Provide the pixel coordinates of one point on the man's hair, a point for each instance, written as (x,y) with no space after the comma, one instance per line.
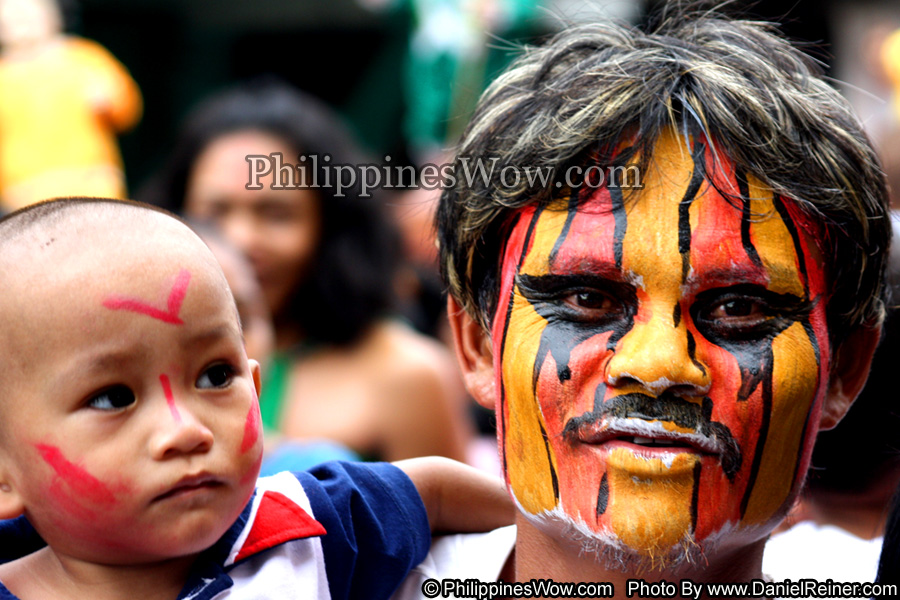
(738,84)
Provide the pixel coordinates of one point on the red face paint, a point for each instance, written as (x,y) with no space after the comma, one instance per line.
(85,485)
(251,426)
(170,398)
(253,473)
(173,304)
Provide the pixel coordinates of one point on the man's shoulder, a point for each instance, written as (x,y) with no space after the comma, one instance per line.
(478,556)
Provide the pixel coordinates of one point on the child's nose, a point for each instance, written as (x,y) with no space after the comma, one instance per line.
(179,431)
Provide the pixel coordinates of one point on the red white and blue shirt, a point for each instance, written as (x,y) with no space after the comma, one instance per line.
(340,531)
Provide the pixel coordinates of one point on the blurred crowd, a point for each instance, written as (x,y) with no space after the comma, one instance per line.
(338,291)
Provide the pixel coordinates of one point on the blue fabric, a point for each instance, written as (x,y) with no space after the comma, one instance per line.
(376,534)
(295,455)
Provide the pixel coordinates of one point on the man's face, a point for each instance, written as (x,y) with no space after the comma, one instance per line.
(137,434)
(661,363)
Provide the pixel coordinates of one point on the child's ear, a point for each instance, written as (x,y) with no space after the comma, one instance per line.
(850,369)
(475,354)
(11,504)
(254,371)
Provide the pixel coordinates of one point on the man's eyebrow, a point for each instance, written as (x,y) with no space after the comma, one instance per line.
(546,285)
(585,265)
(725,275)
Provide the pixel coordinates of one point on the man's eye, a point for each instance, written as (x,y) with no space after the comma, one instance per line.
(591,300)
(216,376)
(740,310)
(114,398)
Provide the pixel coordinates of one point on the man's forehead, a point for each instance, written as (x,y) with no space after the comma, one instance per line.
(712,219)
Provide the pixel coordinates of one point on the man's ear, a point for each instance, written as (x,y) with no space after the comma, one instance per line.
(850,370)
(474,354)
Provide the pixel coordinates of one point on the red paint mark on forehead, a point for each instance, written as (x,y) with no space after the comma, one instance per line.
(173,304)
(589,245)
(170,398)
(717,248)
(85,485)
(815,234)
(251,425)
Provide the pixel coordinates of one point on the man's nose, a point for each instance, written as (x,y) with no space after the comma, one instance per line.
(658,355)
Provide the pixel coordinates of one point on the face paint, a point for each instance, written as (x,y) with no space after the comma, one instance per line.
(170,398)
(82,484)
(251,426)
(659,362)
(173,303)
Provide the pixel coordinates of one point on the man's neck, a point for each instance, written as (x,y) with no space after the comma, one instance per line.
(47,575)
(539,555)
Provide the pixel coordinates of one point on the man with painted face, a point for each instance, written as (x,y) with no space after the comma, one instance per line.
(662,339)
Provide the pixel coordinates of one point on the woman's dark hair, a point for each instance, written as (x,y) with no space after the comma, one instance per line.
(350,282)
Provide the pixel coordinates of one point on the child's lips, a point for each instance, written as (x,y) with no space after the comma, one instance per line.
(190,485)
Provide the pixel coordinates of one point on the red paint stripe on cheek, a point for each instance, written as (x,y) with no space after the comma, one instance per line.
(251,426)
(85,485)
(253,473)
(170,398)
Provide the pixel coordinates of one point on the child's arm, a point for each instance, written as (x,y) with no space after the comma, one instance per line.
(459,498)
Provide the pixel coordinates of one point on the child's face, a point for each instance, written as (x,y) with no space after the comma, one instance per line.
(133,430)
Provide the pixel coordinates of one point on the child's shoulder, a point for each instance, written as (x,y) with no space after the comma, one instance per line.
(362,525)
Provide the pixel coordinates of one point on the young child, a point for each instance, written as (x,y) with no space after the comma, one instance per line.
(130,435)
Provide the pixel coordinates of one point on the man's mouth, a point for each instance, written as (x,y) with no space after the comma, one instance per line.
(666,421)
(653,442)
(647,434)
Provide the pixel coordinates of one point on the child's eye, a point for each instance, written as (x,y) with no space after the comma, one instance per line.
(114,398)
(216,376)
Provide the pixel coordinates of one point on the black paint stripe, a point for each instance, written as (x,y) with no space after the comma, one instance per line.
(544,348)
(553,477)
(744,190)
(684,207)
(795,235)
(509,308)
(815,344)
(572,211)
(763,431)
(692,352)
(695,495)
(676,314)
(603,496)
(618,209)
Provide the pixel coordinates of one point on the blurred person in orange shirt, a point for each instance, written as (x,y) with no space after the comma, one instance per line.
(63,99)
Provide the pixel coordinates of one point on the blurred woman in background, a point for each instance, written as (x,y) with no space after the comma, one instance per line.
(343,368)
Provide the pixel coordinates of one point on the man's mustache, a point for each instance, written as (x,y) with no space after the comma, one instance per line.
(670,408)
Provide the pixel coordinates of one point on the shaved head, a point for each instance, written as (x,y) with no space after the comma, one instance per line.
(49,249)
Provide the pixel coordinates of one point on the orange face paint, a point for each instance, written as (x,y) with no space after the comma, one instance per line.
(659,360)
